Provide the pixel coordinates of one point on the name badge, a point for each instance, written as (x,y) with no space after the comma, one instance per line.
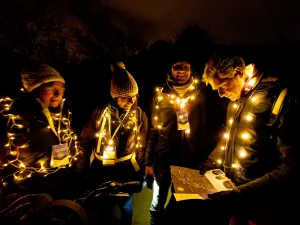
(59,156)
(182,120)
(109,156)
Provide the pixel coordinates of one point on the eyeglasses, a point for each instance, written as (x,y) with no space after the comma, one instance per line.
(51,90)
(128,98)
(181,67)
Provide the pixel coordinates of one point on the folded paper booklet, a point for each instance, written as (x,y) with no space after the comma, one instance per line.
(189,184)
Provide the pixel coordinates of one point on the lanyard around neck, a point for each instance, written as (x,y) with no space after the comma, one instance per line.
(50,119)
(121,123)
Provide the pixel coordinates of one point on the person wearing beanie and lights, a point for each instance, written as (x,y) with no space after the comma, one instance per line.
(40,146)
(112,142)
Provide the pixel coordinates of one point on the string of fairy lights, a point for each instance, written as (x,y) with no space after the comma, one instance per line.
(14,146)
(104,135)
(177,102)
(249,117)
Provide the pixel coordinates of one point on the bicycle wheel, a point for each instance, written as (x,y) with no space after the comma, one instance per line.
(66,212)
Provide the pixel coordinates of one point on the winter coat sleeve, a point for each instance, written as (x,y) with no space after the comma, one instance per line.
(142,140)
(285,177)
(152,137)
(87,140)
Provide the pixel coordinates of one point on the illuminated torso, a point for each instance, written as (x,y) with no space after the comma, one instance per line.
(247,149)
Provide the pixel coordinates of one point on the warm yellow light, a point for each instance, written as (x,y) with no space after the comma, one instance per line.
(243,154)
(245,135)
(230,121)
(219,161)
(226,135)
(249,117)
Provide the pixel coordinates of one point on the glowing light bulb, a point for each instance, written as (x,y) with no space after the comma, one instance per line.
(245,135)
(226,135)
(249,117)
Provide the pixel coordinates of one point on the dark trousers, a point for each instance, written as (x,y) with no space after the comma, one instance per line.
(161,185)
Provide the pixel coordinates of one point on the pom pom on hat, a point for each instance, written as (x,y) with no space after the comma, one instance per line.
(122,82)
(45,74)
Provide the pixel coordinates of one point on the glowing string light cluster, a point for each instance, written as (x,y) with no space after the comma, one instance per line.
(249,117)
(104,133)
(15,144)
(177,102)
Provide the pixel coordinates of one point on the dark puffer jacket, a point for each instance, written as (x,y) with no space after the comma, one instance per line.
(130,140)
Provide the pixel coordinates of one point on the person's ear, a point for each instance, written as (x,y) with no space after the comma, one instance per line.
(238,71)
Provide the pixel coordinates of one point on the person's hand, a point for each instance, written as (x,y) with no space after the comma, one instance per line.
(207,165)
(149,171)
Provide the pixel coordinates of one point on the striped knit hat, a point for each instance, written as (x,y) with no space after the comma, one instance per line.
(44,74)
(122,82)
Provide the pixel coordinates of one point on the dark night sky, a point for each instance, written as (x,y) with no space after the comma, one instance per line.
(228,21)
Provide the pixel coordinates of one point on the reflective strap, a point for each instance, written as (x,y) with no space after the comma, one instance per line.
(103,121)
(92,157)
(124,158)
(277,107)
(279,102)
(134,162)
(131,156)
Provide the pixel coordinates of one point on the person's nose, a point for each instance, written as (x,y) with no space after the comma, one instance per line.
(130,100)
(58,93)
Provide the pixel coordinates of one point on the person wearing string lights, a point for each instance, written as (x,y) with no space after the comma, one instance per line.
(113,141)
(179,134)
(259,150)
(40,147)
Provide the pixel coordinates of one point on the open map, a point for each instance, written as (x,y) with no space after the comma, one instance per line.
(189,184)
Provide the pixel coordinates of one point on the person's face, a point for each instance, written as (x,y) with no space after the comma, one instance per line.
(181,72)
(126,102)
(52,95)
(228,87)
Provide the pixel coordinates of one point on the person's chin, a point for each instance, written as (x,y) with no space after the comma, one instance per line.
(55,104)
(126,108)
(181,80)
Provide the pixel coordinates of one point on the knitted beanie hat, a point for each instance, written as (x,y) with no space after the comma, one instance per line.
(122,82)
(44,74)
